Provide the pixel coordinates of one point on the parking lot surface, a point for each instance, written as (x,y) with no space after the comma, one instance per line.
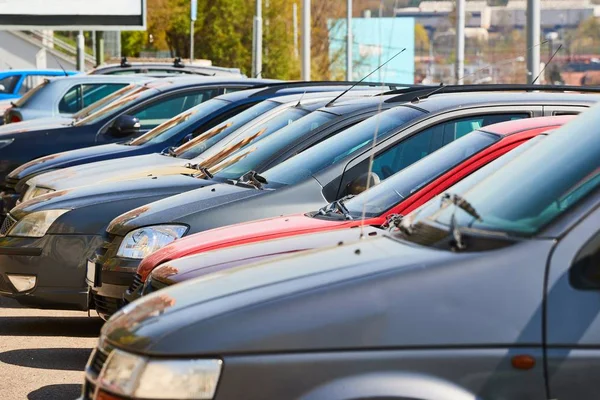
(43,352)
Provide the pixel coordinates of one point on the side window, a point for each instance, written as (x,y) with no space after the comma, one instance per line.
(91,93)
(8,83)
(429,140)
(234,89)
(164,109)
(30,82)
(585,270)
(70,102)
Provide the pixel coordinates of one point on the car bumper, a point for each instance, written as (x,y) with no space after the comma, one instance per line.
(58,263)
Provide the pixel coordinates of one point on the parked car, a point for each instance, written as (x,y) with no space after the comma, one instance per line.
(494,295)
(167,136)
(396,196)
(325,173)
(177,67)
(66,96)
(153,104)
(15,83)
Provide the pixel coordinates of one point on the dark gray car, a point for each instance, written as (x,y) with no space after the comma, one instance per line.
(494,297)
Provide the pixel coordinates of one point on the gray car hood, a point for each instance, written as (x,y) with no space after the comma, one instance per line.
(373,293)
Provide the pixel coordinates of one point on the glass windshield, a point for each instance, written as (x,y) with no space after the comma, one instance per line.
(398,187)
(92,108)
(115,106)
(251,158)
(251,135)
(201,143)
(538,186)
(340,146)
(31,93)
(180,122)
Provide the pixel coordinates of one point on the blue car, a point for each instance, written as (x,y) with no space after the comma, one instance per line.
(15,83)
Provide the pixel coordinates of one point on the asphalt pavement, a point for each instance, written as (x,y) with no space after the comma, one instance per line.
(43,352)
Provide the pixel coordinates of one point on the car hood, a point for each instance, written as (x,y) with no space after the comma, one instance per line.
(73,157)
(197,265)
(374,293)
(40,124)
(148,165)
(239,234)
(177,207)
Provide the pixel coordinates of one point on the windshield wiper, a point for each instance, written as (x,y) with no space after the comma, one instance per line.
(252,178)
(337,206)
(460,203)
(169,151)
(204,170)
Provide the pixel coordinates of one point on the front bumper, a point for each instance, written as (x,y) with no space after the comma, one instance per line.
(59,264)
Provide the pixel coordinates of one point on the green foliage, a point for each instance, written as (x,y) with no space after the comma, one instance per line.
(421,38)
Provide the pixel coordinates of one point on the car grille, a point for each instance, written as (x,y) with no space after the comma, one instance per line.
(93,370)
(137,283)
(107,306)
(7,225)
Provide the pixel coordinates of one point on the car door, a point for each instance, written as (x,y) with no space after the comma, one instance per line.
(420,140)
(160,109)
(573,312)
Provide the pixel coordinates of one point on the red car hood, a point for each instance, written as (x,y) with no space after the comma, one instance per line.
(249,232)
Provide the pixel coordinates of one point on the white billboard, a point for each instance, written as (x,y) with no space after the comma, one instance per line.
(73,14)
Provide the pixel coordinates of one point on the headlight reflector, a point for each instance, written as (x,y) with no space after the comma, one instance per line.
(143,378)
(35,191)
(35,224)
(179,379)
(143,241)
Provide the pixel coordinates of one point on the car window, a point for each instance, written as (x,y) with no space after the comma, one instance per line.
(429,140)
(9,83)
(69,103)
(81,96)
(119,94)
(164,109)
(30,82)
(124,72)
(168,71)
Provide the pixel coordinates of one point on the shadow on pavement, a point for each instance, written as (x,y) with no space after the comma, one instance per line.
(50,326)
(65,392)
(61,359)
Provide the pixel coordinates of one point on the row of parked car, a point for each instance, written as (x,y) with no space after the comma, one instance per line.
(377,241)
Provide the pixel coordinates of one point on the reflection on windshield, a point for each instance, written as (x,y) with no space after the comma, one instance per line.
(230,150)
(203,137)
(92,108)
(116,105)
(233,124)
(403,184)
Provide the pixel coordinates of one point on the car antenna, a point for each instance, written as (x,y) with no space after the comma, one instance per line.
(365,77)
(546,66)
(59,64)
(300,100)
(437,89)
(257,74)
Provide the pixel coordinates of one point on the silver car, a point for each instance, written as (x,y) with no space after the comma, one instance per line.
(63,97)
(492,292)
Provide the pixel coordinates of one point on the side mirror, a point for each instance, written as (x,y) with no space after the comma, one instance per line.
(125,125)
(360,184)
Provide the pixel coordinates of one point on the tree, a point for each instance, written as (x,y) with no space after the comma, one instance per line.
(421,38)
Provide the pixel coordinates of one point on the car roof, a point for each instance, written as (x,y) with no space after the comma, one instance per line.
(526,124)
(102,78)
(196,80)
(37,71)
(167,65)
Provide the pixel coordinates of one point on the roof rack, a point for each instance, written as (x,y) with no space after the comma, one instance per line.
(124,63)
(425,91)
(177,63)
(270,88)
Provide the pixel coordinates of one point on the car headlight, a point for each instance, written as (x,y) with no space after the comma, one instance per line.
(35,224)
(5,142)
(143,241)
(35,191)
(134,376)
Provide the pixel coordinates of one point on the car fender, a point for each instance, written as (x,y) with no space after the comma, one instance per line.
(389,385)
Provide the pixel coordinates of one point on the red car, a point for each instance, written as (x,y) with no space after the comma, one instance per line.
(398,195)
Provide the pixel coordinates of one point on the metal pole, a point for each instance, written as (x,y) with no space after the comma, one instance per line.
(349,42)
(257,42)
(460,41)
(80,52)
(533,38)
(99,42)
(295,23)
(306,40)
(192,41)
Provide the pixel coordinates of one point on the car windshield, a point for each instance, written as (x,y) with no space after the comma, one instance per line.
(201,143)
(180,122)
(92,108)
(340,146)
(254,156)
(115,106)
(31,93)
(403,184)
(563,169)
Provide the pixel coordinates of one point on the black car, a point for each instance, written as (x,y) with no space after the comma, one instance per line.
(177,67)
(79,216)
(168,135)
